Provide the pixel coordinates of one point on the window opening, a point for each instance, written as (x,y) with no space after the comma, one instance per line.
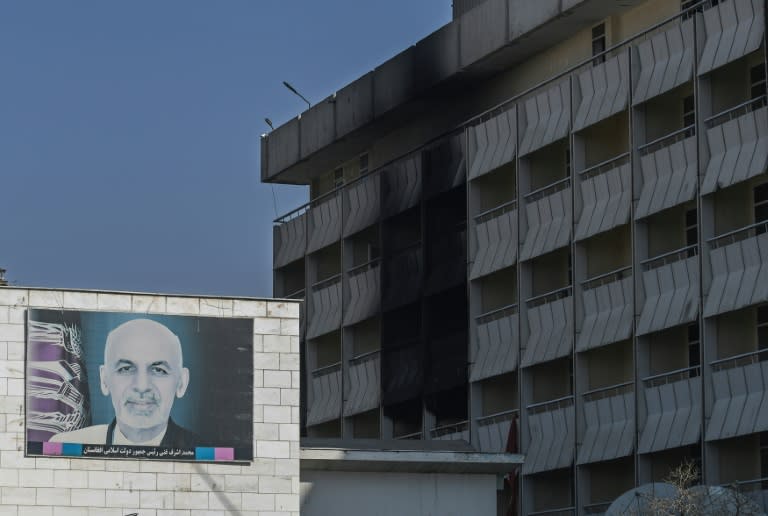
(338,177)
(757,81)
(762,327)
(689,111)
(761,202)
(598,44)
(691,228)
(693,346)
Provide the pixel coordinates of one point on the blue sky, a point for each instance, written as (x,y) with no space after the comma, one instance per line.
(129,131)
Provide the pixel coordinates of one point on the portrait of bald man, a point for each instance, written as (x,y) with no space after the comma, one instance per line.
(143,373)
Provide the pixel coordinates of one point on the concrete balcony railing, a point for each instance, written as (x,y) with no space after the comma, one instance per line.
(665,61)
(755,491)
(402,370)
(738,144)
(609,416)
(401,184)
(290,237)
(363,386)
(324,224)
(548,219)
(596,509)
(669,170)
(606,196)
(453,432)
(550,325)
(741,388)
(324,396)
(731,30)
(402,274)
(495,348)
(362,292)
(412,436)
(545,117)
(608,309)
(497,433)
(496,238)
(672,409)
(552,435)
(671,289)
(601,91)
(567,511)
(324,307)
(739,267)
(362,204)
(492,143)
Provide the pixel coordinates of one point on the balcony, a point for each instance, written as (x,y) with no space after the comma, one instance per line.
(496,233)
(548,219)
(739,263)
(324,396)
(566,511)
(755,491)
(609,415)
(444,165)
(669,170)
(362,204)
(402,369)
(550,324)
(324,221)
(671,287)
(324,307)
(597,509)
(401,185)
(495,348)
(492,143)
(601,90)
(606,196)
(453,432)
(402,276)
(665,61)
(364,383)
(740,385)
(608,309)
(738,144)
(290,237)
(362,291)
(672,408)
(497,433)
(545,117)
(552,435)
(731,30)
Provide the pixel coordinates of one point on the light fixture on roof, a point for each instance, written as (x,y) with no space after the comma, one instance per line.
(293,90)
(269,123)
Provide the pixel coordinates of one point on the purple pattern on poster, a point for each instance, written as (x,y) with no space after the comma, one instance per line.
(57,382)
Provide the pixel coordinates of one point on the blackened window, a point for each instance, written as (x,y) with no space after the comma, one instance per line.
(689,111)
(762,327)
(757,81)
(761,202)
(598,44)
(764,454)
(338,177)
(691,227)
(363,165)
(693,345)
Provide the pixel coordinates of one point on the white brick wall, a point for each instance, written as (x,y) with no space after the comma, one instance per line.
(91,487)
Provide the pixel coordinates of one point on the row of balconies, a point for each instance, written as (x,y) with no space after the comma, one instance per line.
(664,61)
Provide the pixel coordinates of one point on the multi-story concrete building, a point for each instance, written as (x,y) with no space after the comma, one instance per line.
(544,229)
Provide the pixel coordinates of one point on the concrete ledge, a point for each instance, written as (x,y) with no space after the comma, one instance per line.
(407,461)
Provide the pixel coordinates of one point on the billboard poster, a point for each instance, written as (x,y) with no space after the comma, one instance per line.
(139,386)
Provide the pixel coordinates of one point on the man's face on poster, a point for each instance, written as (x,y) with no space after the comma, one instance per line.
(143,373)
